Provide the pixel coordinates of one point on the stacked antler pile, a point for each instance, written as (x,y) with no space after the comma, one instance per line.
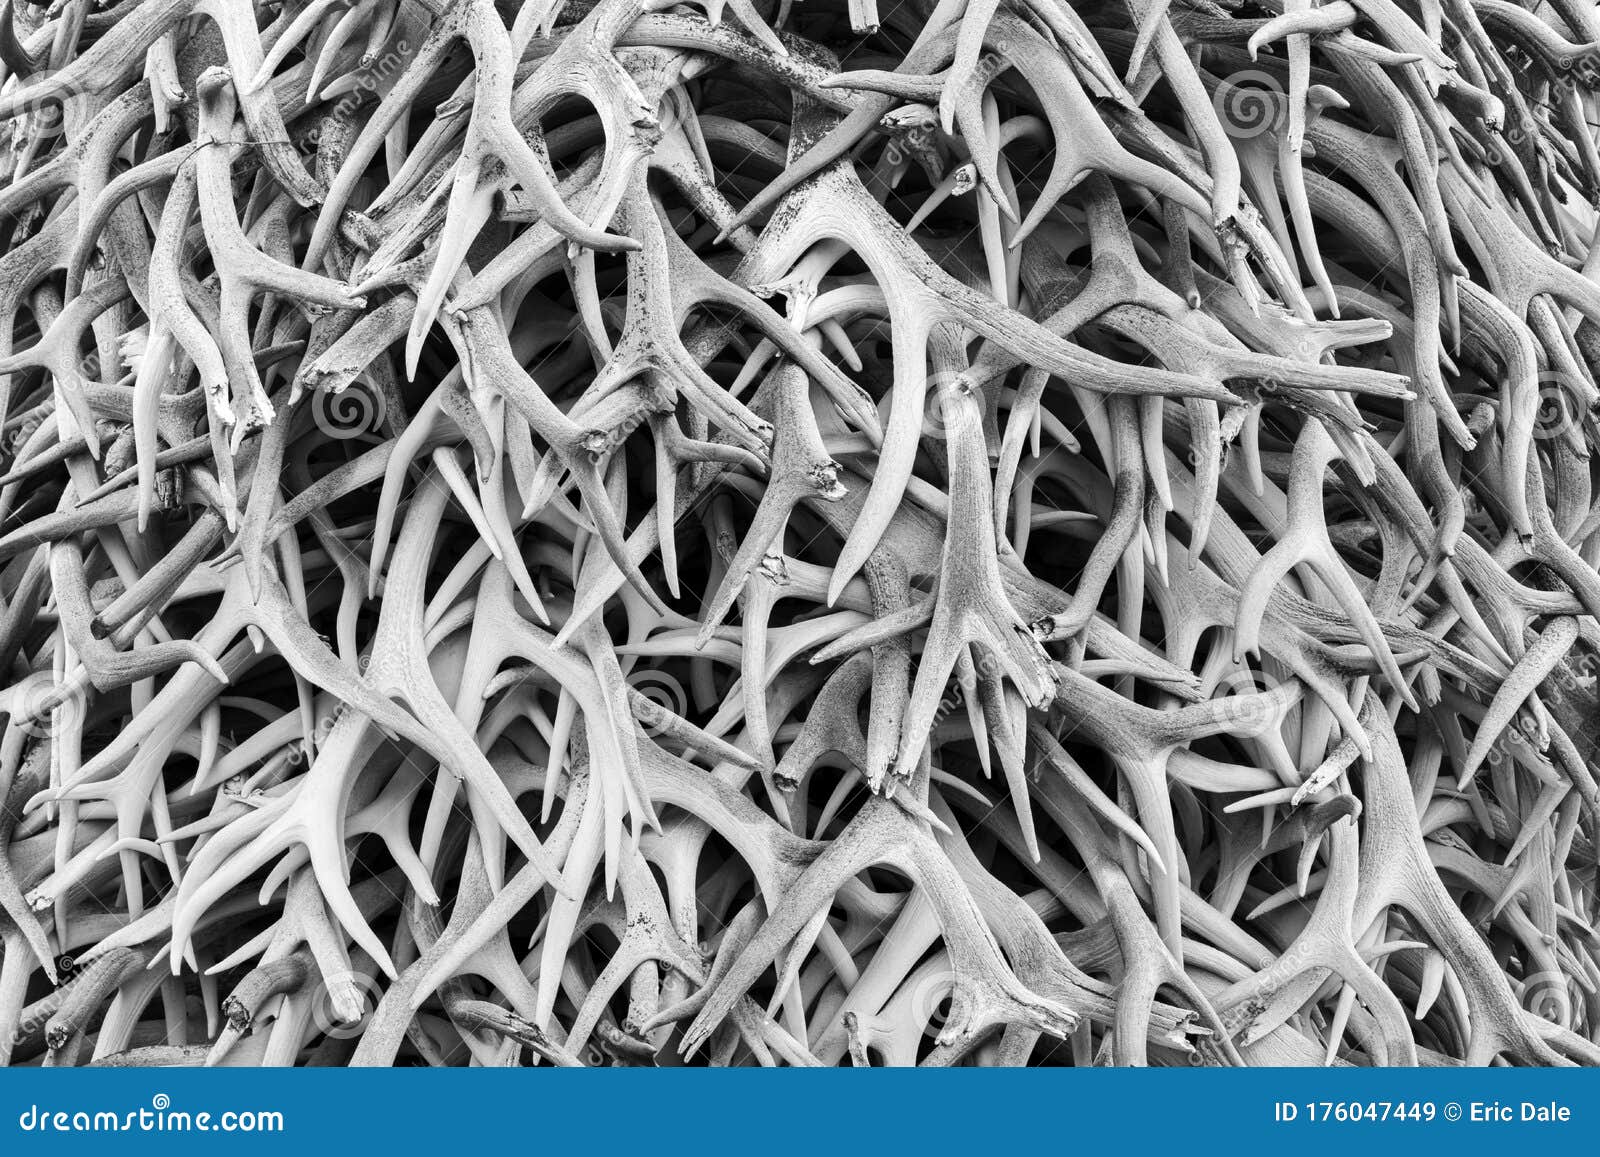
(993,531)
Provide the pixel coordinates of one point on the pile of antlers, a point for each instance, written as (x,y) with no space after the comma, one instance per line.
(651,531)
